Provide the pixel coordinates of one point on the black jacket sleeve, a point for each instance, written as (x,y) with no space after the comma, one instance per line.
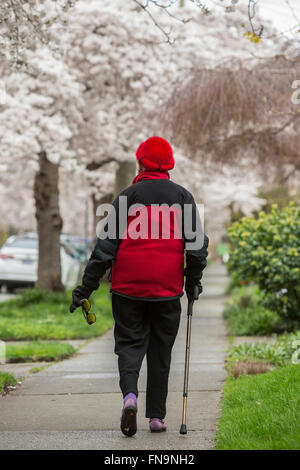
(105,249)
(196,243)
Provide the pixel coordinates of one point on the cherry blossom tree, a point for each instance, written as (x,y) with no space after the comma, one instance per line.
(240,112)
(84,112)
(24,23)
(37,121)
(63,111)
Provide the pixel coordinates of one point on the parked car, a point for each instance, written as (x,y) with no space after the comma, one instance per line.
(19,259)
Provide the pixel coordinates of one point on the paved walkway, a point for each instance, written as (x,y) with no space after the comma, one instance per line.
(75,404)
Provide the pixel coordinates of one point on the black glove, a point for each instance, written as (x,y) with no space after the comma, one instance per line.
(78,294)
(191,292)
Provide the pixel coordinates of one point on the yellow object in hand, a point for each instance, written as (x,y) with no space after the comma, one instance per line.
(86,306)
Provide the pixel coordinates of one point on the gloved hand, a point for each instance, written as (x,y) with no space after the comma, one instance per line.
(190,285)
(78,294)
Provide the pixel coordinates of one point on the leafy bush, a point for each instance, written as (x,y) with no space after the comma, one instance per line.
(266,250)
(246,316)
(234,282)
(280,352)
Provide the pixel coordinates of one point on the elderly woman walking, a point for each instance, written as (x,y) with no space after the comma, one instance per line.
(146,256)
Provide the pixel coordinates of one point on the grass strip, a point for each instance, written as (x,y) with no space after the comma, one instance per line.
(261,412)
(39,315)
(38,352)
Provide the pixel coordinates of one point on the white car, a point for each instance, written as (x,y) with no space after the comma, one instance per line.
(19,260)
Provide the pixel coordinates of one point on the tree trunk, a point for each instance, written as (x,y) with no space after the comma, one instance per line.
(124,176)
(49,225)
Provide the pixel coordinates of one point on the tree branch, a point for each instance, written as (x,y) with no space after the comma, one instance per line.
(92,166)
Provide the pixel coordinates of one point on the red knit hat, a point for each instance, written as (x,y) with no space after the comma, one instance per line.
(156,154)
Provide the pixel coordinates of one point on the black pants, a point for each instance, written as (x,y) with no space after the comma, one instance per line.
(145,328)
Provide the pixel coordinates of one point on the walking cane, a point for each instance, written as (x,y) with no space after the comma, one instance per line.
(183,429)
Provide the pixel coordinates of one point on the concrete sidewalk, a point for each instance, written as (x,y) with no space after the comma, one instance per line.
(76,404)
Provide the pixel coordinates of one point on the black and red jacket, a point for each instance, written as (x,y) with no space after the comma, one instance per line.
(150,266)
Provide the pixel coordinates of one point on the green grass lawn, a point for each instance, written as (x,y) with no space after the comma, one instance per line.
(34,352)
(37,315)
(261,412)
(5,380)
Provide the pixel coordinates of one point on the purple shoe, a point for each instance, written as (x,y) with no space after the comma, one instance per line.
(128,418)
(157,425)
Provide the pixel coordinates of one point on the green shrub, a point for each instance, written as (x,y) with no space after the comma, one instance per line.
(280,352)
(234,282)
(266,250)
(246,296)
(246,316)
